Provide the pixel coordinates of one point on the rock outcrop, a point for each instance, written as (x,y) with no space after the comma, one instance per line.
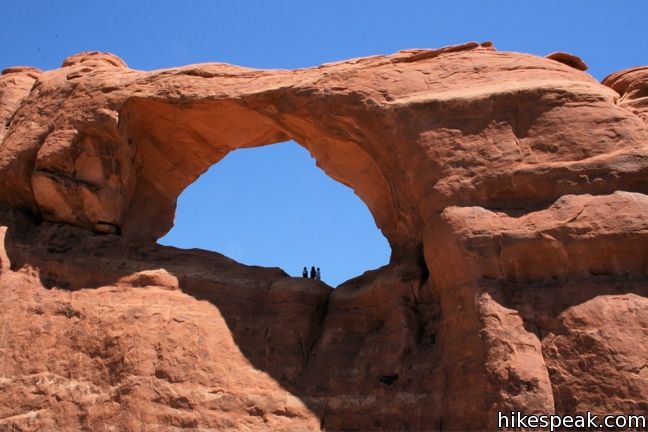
(513,190)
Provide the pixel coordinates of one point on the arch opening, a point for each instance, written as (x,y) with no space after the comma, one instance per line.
(272,206)
(177,142)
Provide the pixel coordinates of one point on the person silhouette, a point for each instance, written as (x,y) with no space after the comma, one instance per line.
(305,272)
(318,274)
(313,273)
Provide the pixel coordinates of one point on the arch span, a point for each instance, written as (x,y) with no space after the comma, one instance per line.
(176,143)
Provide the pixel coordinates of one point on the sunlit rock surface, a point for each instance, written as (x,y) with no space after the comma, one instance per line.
(512,189)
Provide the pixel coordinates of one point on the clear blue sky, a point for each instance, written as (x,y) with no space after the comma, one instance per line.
(271,205)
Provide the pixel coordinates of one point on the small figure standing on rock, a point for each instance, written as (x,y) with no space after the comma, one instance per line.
(305,272)
(313,273)
(318,275)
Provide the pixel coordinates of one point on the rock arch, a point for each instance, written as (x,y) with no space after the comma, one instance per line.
(512,189)
(186,140)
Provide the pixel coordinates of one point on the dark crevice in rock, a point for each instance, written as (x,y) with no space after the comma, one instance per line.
(389,379)
(425,273)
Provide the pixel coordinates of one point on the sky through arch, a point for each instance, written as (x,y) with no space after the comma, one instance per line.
(272,206)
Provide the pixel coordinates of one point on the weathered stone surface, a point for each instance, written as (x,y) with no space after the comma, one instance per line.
(632,85)
(568,59)
(15,85)
(512,189)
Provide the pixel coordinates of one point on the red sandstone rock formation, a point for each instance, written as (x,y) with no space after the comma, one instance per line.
(512,189)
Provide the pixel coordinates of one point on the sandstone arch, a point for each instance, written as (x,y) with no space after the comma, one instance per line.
(512,189)
(186,140)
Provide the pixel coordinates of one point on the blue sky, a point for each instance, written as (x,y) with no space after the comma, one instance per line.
(271,205)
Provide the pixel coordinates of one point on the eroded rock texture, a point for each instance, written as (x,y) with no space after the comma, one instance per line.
(512,189)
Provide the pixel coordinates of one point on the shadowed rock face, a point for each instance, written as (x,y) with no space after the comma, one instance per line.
(512,189)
